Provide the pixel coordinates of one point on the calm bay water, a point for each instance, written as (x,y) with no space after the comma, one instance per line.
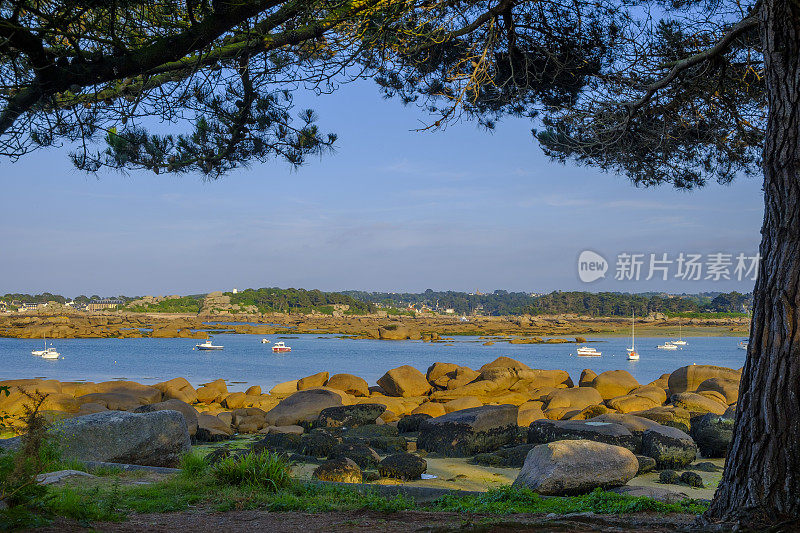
(246,361)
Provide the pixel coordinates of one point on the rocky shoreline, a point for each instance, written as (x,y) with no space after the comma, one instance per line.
(565,437)
(156,325)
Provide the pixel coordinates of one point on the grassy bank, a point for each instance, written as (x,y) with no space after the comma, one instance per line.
(262,482)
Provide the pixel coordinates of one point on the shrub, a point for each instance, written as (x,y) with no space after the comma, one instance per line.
(263,470)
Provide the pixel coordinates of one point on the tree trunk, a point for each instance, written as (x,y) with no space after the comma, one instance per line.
(761,482)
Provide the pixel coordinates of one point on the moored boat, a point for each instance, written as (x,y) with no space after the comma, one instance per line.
(680,341)
(208,345)
(667,346)
(50,353)
(586,351)
(47,353)
(280,346)
(633,355)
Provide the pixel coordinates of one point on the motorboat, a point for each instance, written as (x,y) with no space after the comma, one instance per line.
(667,346)
(208,345)
(586,351)
(633,355)
(280,347)
(265,341)
(743,344)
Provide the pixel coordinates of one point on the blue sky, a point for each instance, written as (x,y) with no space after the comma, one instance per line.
(393,209)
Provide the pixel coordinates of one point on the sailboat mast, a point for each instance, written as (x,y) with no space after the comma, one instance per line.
(633,330)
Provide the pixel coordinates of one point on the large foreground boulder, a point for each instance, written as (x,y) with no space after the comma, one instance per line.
(152,439)
(469,431)
(303,406)
(575,467)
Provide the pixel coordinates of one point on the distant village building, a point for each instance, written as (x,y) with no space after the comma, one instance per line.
(450,311)
(28,306)
(97,305)
(235,290)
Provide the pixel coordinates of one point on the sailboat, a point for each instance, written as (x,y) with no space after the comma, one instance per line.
(47,353)
(680,341)
(633,355)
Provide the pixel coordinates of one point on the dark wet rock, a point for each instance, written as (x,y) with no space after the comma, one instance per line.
(669,477)
(279,442)
(350,415)
(670,447)
(545,431)
(370,432)
(692,479)
(388,444)
(713,434)
(364,456)
(705,467)
(646,464)
(411,423)
(342,470)
(405,466)
(469,431)
(508,456)
(318,443)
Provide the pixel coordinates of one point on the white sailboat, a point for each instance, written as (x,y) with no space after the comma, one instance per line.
(47,353)
(680,341)
(633,355)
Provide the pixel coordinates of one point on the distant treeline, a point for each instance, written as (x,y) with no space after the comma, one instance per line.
(273,299)
(499,303)
(48,297)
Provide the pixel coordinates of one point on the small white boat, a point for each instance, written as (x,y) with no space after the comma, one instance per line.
(51,353)
(280,347)
(264,341)
(47,353)
(208,345)
(680,341)
(743,344)
(667,346)
(633,355)
(586,351)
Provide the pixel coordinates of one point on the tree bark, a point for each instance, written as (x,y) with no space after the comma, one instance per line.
(761,482)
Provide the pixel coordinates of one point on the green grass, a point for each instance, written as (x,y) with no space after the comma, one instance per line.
(264,470)
(508,500)
(261,481)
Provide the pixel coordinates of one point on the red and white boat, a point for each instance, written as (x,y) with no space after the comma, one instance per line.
(280,347)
